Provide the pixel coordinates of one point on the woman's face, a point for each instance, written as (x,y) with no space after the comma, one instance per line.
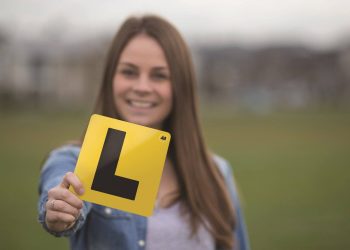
(141,85)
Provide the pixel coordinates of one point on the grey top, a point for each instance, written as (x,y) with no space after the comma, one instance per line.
(168,229)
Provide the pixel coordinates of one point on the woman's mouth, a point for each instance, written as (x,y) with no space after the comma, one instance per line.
(141,104)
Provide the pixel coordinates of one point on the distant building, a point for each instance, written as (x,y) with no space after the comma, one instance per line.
(67,74)
(276,76)
(50,73)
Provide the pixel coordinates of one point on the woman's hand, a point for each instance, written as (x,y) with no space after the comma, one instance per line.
(63,207)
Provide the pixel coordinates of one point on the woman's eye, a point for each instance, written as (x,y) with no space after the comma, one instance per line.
(160,76)
(128,72)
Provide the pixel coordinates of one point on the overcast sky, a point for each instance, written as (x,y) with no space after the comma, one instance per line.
(317,22)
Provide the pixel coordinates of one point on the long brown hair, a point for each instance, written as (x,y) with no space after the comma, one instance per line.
(201,186)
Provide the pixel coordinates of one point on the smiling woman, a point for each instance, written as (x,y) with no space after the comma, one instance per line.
(149,80)
(141,86)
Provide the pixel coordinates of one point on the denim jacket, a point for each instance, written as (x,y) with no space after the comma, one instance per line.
(100,227)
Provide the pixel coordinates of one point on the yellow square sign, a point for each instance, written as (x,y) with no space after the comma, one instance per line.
(120,164)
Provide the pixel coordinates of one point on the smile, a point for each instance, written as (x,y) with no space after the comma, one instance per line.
(141,104)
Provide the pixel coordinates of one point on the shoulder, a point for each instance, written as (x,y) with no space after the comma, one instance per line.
(223,165)
(227,173)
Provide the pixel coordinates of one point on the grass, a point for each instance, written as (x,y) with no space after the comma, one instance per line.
(293,173)
(292,169)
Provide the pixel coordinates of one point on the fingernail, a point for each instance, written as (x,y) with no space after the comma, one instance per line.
(81,191)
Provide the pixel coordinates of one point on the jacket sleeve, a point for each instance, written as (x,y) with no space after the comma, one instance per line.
(59,162)
(241,234)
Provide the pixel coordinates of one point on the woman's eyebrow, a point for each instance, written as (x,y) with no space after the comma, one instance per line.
(128,64)
(160,68)
(165,68)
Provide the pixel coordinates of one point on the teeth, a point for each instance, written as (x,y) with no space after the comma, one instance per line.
(141,104)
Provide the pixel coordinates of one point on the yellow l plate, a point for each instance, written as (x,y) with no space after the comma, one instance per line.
(120,164)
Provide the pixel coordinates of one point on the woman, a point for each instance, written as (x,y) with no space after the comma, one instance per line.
(149,80)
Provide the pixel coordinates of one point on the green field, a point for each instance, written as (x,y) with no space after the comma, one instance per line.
(292,169)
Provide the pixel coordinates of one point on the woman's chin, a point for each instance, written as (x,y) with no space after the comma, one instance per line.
(142,122)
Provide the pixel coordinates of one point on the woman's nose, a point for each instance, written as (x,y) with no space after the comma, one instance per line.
(142,85)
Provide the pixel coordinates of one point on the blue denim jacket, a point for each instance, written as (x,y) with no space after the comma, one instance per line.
(100,227)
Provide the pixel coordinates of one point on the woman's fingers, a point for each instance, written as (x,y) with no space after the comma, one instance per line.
(61,191)
(64,194)
(71,179)
(58,217)
(62,207)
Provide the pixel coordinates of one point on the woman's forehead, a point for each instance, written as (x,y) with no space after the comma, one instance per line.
(143,50)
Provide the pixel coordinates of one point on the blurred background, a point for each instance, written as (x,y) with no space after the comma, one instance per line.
(274,84)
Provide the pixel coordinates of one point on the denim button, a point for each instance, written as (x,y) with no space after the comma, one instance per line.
(108,210)
(141,243)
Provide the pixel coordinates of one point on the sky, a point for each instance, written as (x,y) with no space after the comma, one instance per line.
(319,23)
